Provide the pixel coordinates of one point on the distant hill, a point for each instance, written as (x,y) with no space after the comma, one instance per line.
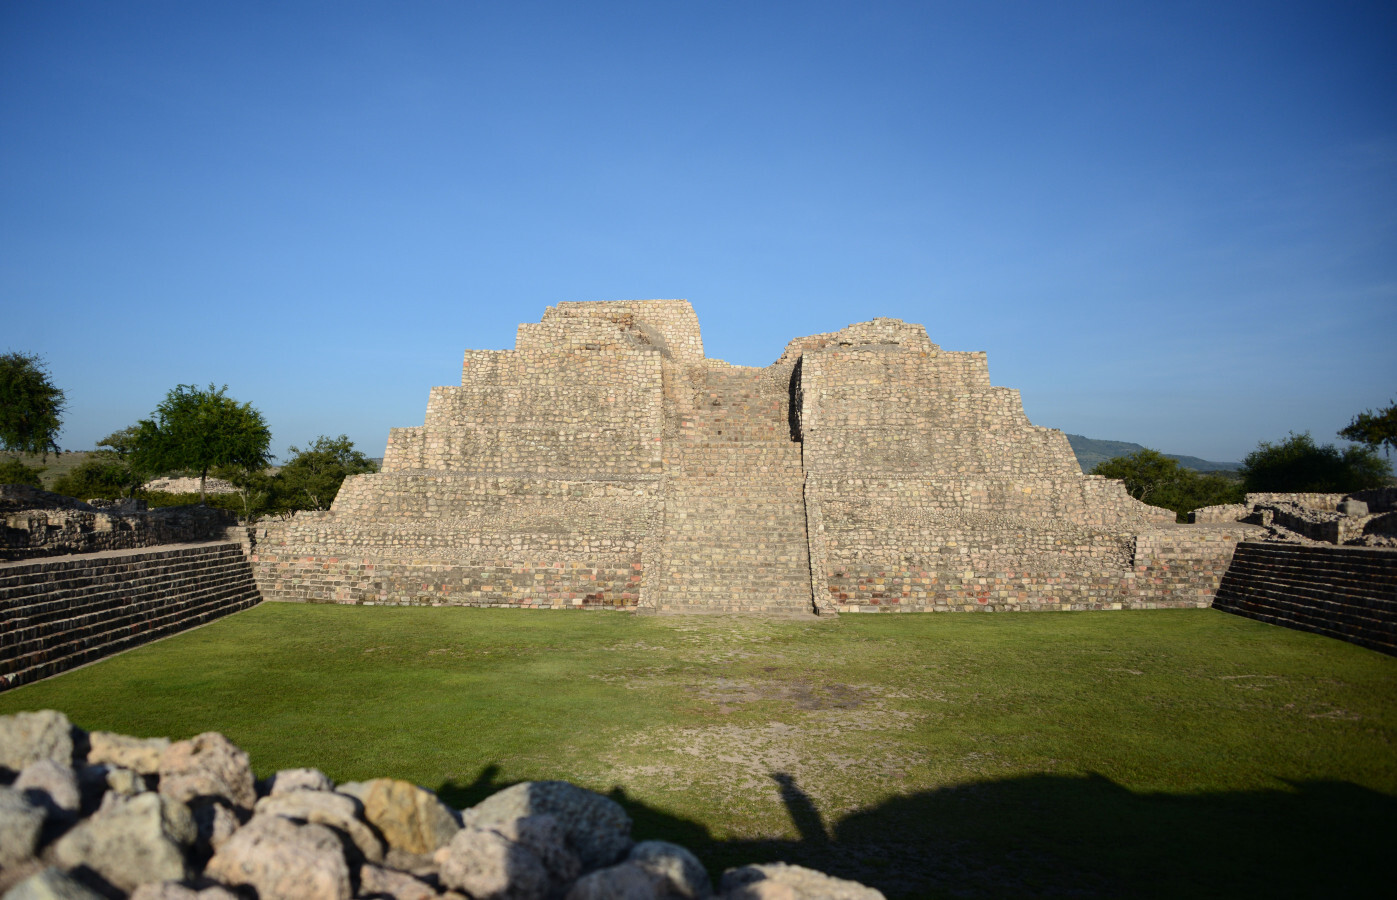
(1091,451)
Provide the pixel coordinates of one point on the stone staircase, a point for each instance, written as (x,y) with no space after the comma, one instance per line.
(57,614)
(1345,592)
(734,533)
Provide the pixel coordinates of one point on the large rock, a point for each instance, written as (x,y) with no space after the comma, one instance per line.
(281,860)
(51,884)
(375,881)
(779,881)
(215,822)
(137,754)
(21,824)
(28,737)
(208,765)
(544,836)
(627,881)
(173,890)
(409,817)
(489,866)
(131,840)
(679,872)
(298,779)
(338,811)
(51,785)
(596,827)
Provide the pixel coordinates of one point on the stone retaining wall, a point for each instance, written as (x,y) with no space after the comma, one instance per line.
(1345,592)
(36,523)
(56,614)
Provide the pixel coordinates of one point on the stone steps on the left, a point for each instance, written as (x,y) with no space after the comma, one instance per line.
(63,612)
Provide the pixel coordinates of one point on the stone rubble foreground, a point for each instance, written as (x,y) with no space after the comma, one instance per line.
(85,816)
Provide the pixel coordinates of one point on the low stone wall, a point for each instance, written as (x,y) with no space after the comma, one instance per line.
(85,816)
(56,614)
(37,523)
(1345,592)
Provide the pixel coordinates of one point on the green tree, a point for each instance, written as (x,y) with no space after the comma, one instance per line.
(195,431)
(101,475)
(1299,464)
(1159,480)
(31,408)
(14,471)
(313,476)
(1376,429)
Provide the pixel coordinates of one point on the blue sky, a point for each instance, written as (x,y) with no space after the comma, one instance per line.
(1171,223)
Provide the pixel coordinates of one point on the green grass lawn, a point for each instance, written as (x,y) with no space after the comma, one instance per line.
(1166,753)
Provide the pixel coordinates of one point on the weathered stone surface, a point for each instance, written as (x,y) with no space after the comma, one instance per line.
(626,881)
(281,860)
(1352,507)
(681,873)
(544,836)
(173,890)
(51,785)
(488,866)
(28,737)
(140,755)
(52,884)
(338,811)
(409,817)
(208,765)
(21,823)
(131,840)
(298,779)
(596,828)
(215,822)
(376,881)
(779,881)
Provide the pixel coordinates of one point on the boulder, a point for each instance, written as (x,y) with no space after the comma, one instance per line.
(281,860)
(137,754)
(51,884)
(21,824)
(131,840)
(1353,507)
(208,765)
(544,836)
(28,737)
(597,829)
(173,890)
(52,785)
(298,779)
(626,881)
(337,811)
(215,822)
(409,817)
(680,873)
(488,866)
(376,881)
(779,881)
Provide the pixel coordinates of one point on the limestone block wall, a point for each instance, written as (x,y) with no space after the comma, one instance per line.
(36,523)
(59,613)
(1345,592)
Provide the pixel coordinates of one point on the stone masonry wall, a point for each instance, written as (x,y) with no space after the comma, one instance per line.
(59,613)
(606,462)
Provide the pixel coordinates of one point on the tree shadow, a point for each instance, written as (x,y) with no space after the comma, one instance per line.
(1065,836)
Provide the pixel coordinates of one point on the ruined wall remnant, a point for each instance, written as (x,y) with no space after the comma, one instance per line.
(606,462)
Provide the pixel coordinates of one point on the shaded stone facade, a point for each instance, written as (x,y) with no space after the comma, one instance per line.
(606,462)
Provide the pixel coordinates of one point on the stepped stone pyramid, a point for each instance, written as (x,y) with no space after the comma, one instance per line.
(605,462)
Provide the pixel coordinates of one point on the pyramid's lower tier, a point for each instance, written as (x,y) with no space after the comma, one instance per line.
(604,462)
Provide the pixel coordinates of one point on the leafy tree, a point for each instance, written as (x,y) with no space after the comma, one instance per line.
(1376,429)
(31,408)
(100,475)
(313,476)
(1298,464)
(1159,480)
(196,431)
(14,471)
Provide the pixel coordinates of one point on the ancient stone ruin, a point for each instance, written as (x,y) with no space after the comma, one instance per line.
(606,462)
(96,815)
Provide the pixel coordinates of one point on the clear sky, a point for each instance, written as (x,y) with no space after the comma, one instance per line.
(1173,223)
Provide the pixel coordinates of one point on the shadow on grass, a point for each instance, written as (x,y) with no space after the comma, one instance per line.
(1050,835)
